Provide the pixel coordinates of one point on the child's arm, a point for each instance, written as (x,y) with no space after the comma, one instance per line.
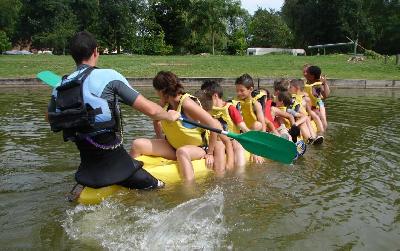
(243,127)
(194,111)
(237,118)
(294,113)
(270,127)
(280,113)
(260,115)
(325,87)
(158,129)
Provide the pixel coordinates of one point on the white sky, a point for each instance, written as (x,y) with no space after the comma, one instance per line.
(252,5)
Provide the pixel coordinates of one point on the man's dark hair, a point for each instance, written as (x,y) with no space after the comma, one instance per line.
(245,80)
(82,46)
(314,71)
(212,87)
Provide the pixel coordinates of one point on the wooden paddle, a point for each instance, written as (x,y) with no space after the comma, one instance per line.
(259,143)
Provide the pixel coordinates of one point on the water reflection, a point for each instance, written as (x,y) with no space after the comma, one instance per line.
(342,195)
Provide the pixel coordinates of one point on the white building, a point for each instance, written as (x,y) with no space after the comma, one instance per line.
(262,51)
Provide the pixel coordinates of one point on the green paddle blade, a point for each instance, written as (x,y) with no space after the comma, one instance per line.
(49,78)
(267,145)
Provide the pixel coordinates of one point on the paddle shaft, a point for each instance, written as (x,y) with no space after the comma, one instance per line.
(219,131)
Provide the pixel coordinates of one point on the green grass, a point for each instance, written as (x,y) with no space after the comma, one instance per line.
(334,66)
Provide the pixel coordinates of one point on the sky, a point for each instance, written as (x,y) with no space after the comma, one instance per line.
(252,5)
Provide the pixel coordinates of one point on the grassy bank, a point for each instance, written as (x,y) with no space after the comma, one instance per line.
(335,66)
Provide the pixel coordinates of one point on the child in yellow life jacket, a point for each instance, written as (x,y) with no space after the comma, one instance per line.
(317,89)
(284,119)
(228,115)
(264,98)
(251,109)
(298,108)
(182,142)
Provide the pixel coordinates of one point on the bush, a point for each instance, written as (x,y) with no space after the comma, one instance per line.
(372,54)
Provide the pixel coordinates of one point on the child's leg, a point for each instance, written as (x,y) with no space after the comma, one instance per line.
(257,126)
(219,157)
(154,147)
(322,114)
(238,149)
(317,121)
(313,133)
(305,132)
(185,155)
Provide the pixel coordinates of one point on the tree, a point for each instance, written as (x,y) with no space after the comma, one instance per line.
(87,13)
(172,16)
(209,22)
(4,42)
(375,23)
(386,21)
(115,23)
(46,24)
(9,12)
(268,29)
(237,43)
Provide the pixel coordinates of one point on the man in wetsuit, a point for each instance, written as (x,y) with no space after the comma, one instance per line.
(97,133)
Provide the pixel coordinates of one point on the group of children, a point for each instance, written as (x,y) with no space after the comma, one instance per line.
(295,111)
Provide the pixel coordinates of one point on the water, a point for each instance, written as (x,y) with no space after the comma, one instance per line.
(342,195)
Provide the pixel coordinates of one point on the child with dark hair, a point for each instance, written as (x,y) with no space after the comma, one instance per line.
(298,109)
(228,115)
(317,89)
(251,110)
(182,142)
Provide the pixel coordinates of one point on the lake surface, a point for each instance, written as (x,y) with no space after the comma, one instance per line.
(342,195)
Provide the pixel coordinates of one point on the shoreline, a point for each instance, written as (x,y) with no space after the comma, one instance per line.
(197,81)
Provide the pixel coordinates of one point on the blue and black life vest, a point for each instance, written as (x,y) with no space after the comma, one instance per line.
(79,113)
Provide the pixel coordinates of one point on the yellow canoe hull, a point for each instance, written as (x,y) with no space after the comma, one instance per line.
(163,169)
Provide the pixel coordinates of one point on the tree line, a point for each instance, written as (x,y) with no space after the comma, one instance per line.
(161,27)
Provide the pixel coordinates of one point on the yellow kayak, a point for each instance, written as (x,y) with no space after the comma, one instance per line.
(163,169)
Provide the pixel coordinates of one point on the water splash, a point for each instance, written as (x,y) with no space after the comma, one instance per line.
(195,224)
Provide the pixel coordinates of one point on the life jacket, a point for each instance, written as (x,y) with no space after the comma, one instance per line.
(268,114)
(314,92)
(297,104)
(178,133)
(247,106)
(286,121)
(79,113)
(222,115)
(248,113)
(260,96)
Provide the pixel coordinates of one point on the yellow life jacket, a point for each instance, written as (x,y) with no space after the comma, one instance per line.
(308,88)
(248,113)
(297,100)
(222,115)
(286,121)
(260,95)
(178,134)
